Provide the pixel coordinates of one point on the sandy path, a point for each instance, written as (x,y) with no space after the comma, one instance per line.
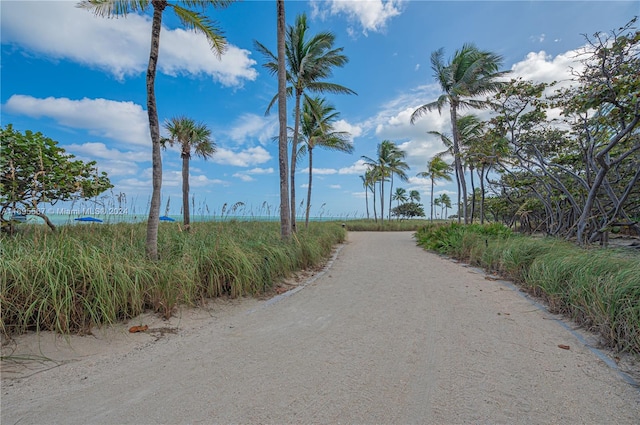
(389,334)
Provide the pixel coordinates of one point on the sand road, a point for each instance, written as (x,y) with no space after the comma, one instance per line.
(388,334)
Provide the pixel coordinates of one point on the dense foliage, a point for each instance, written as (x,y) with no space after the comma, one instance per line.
(34,171)
(82,277)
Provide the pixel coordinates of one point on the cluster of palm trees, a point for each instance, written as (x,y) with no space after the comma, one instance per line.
(389,162)
(470,74)
(309,62)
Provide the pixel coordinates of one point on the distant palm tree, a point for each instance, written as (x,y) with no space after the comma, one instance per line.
(437,169)
(445,201)
(470,73)
(414,196)
(397,166)
(380,168)
(192,137)
(400,195)
(192,20)
(310,60)
(318,117)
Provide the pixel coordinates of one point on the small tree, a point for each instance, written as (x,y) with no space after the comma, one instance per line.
(34,170)
(408,210)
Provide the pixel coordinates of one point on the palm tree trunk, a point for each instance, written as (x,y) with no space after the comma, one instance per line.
(154,129)
(366,200)
(375,212)
(458,162)
(432,184)
(285,223)
(186,217)
(382,201)
(390,198)
(473,194)
(482,194)
(306,219)
(294,152)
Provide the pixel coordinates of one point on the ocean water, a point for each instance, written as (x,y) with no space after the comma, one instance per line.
(70,219)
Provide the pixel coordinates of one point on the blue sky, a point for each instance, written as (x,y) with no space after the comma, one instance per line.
(80,80)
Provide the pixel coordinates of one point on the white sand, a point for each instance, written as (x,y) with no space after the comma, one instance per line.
(388,334)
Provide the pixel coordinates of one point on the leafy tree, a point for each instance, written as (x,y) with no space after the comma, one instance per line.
(34,170)
(408,210)
(310,60)
(192,20)
(192,137)
(470,73)
(437,169)
(318,117)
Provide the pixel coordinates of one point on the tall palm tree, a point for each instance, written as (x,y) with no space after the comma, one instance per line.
(470,73)
(437,169)
(283,161)
(310,60)
(414,196)
(318,117)
(371,177)
(192,20)
(192,137)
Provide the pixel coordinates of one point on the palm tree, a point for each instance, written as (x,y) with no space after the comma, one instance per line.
(366,184)
(444,202)
(437,169)
(191,19)
(414,196)
(397,166)
(380,168)
(470,130)
(310,60)
(400,195)
(470,73)
(285,218)
(317,131)
(192,137)
(371,177)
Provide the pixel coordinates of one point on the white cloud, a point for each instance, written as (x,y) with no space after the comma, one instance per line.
(253,127)
(119,121)
(100,150)
(354,130)
(243,177)
(370,15)
(245,158)
(260,171)
(335,186)
(543,68)
(117,46)
(359,167)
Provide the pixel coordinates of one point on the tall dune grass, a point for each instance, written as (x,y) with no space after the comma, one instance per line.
(598,288)
(84,276)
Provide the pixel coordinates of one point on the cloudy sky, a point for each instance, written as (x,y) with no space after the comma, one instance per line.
(80,80)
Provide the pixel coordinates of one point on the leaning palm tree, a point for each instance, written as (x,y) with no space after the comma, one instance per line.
(318,117)
(192,137)
(437,169)
(310,61)
(191,19)
(470,73)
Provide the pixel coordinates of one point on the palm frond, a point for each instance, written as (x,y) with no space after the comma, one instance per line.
(201,23)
